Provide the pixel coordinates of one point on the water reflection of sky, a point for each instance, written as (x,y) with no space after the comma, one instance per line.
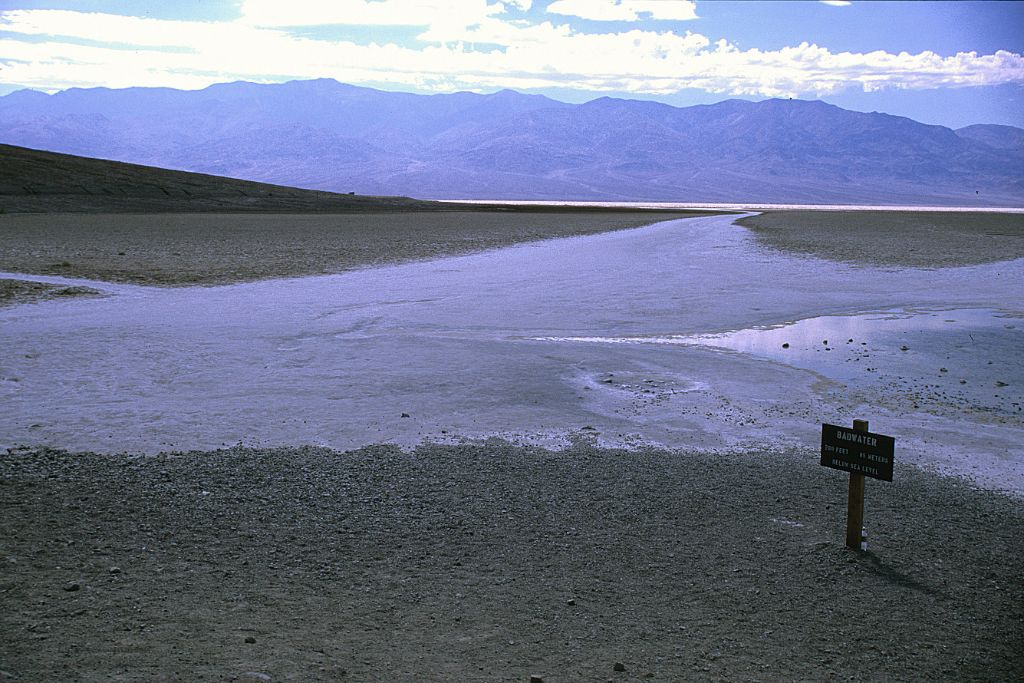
(845,346)
(810,337)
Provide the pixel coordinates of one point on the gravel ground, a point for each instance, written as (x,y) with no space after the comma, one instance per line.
(919,239)
(209,249)
(496,562)
(14,292)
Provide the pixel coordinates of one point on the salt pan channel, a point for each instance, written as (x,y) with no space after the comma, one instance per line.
(518,343)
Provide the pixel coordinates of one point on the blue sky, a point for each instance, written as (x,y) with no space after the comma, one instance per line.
(949,63)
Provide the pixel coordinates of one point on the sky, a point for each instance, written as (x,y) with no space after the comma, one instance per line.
(946,63)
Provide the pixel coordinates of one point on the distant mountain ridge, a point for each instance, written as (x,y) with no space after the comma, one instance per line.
(326,135)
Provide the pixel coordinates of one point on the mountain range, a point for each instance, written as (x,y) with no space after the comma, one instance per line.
(326,135)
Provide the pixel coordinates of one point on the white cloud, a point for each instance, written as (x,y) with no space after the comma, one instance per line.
(625,10)
(80,49)
(836,3)
(369,12)
(118,29)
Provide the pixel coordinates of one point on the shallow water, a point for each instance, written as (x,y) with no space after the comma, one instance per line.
(844,347)
(490,344)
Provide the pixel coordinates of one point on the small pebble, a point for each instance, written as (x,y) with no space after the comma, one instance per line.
(250,639)
(71,587)
(786,345)
(619,666)
(570,602)
(536,679)
(405,414)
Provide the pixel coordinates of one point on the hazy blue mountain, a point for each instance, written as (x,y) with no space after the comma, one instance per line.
(327,135)
(999,137)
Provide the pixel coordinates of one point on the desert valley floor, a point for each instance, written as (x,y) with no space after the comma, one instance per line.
(600,449)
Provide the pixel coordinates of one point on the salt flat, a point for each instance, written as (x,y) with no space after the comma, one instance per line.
(514,342)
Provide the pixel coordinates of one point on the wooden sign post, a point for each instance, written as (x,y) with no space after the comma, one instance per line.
(855,500)
(862,454)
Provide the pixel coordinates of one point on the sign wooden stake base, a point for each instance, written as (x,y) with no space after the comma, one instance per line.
(855,500)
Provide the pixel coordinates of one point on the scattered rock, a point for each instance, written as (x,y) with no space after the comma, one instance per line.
(943,370)
(405,414)
(619,666)
(785,345)
(825,342)
(536,679)
(904,348)
(115,570)
(71,586)
(271,482)
(1001,384)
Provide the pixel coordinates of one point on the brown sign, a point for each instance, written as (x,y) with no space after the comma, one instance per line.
(851,450)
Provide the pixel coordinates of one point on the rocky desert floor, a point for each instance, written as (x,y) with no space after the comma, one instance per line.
(492,562)
(916,239)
